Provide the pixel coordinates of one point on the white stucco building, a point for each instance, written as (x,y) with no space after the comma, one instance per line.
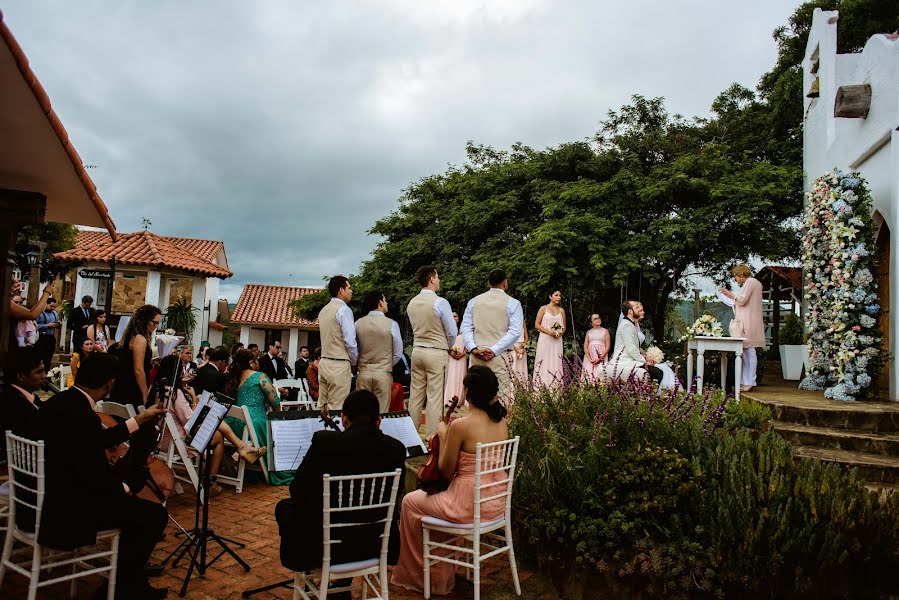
(851,120)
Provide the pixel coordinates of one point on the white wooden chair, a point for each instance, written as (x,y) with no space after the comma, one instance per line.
(26,473)
(178,457)
(303,401)
(4,505)
(64,372)
(343,495)
(466,539)
(121,411)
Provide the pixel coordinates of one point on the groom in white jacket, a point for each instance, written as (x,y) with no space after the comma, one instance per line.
(627,357)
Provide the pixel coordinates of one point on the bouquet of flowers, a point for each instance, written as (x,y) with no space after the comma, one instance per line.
(169,332)
(53,373)
(705,325)
(655,354)
(556,327)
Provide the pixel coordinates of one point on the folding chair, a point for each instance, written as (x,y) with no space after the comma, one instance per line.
(466,539)
(343,495)
(303,401)
(178,457)
(121,411)
(26,474)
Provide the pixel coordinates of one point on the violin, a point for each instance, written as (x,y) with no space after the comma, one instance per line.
(329,422)
(429,477)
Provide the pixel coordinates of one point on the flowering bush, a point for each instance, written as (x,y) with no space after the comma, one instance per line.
(843,340)
(704,325)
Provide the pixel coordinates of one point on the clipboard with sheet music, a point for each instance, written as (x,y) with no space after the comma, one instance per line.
(290,434)
(208,415)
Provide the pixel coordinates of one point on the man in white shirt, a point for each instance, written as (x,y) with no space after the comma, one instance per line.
(339,349)
(491,324)
(434,332)
(380,347)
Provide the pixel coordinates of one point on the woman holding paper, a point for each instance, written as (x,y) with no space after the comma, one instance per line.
(182,405)
(748,322)
(254,390)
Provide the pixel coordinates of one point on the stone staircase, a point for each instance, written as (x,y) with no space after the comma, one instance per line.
(862,435)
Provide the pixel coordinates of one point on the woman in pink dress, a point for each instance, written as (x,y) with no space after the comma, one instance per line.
(458,443)
(551,325)
(596,347)
(520,358)
(456,369)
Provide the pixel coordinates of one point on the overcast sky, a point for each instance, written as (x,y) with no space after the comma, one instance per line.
(286,129)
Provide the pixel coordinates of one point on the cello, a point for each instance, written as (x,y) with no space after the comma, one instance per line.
(429,477)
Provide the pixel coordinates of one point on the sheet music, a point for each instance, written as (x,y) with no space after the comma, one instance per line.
(213,417)
(291,439)
(403,429)
(193,418)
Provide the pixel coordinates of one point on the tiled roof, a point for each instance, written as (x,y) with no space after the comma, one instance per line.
(147,249)
(270,305)
(40,94)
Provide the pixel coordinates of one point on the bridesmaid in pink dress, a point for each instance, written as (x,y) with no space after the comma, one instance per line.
(456,369)
(520,358)
(458,443)
(551,325)
(596,347)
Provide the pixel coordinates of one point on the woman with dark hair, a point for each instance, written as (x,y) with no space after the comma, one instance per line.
(182,405)
(99,331)
(551,325)
(254,390)
(78,356)
(485,423)
(596,347)
(134,355)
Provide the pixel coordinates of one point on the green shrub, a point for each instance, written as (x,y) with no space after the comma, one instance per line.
(791,333)
(649,492)
(746,414)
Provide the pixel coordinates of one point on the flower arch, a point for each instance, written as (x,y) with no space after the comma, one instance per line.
(841,288)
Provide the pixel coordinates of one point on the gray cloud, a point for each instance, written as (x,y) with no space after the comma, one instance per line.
(287,128)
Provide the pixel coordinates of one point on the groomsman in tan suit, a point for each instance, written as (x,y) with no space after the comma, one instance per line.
(339,349)
(434,331)
(380,347)
(491,324)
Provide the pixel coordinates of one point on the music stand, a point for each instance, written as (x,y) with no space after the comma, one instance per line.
(196,545)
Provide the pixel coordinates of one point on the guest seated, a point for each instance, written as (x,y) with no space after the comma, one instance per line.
(458,444)
(360,448)
(254,390)
(211,376)
(182,408)
(83,496)
(19,410)
(83,351)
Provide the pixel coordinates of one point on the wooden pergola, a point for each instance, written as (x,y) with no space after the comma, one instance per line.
(779,284)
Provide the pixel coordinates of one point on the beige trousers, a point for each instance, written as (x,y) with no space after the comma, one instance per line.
(378,383)
(501,365)
(428,380)
(334,379)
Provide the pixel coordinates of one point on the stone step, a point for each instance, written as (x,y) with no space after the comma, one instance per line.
(873,468)
(869,442)
(880,417)
(883,490)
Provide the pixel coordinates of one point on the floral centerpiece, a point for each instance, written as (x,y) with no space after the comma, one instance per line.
(705,325)
(843,340)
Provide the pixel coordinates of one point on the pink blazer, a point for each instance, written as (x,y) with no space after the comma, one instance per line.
(748,306)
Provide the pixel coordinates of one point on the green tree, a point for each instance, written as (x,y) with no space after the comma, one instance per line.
(57,236)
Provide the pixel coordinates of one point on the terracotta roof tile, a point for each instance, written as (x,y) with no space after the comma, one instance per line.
(270,305)
(40,94)
(144,248)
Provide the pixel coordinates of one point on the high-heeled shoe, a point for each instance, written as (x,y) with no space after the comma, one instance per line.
(250,453)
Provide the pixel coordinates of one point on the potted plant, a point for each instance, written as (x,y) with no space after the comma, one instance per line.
(793,353)
(181,317)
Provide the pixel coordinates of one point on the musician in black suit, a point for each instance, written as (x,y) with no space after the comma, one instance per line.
(19,406)
(211,376)
(80,319)
(83,496)
(272,364)
(361,448)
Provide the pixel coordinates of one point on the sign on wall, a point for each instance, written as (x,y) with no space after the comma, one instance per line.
(95,274)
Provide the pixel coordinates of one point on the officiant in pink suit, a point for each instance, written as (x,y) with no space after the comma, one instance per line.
(596,348)
(748,309)
(551,325)
(456,369)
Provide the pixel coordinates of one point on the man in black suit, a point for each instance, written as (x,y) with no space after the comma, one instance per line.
(211,376)
(302,363)
(361,448)
(80,319)
(83,496)
(271,362)
(25,373)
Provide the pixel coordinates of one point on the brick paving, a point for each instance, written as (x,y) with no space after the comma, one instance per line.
(249,518)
